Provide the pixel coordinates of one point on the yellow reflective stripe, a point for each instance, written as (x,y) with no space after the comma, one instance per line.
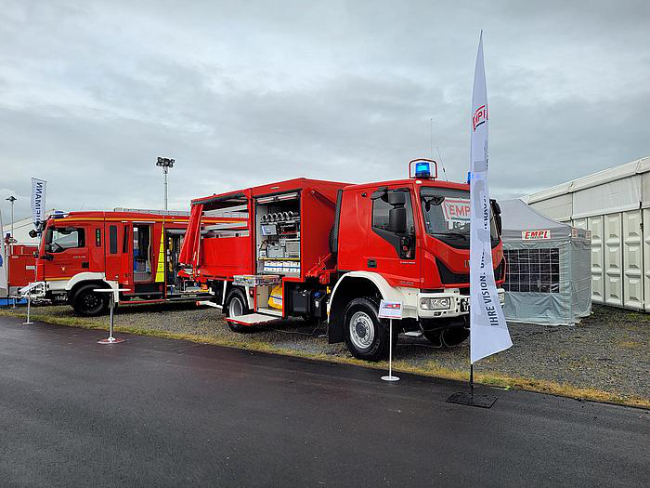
(160,268)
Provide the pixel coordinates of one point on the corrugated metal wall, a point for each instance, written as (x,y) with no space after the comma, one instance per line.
(615,206)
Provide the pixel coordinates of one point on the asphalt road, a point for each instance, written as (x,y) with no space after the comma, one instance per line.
(155,412)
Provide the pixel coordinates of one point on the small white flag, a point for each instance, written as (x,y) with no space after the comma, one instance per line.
(38,200)
(488,330)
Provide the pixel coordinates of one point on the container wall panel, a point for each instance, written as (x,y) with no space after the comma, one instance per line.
(633,276)
(646,252)
(558,208)
(613,248)
(580,223)
(595,225)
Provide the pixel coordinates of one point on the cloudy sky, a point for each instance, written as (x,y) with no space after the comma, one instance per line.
(243,93)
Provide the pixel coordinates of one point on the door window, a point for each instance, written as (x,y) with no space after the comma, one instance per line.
(60,239)
(404,243)
(112,239)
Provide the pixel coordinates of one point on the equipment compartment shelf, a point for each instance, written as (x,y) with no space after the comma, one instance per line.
(257,280)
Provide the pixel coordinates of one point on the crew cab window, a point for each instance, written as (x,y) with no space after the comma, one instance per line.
(60,239)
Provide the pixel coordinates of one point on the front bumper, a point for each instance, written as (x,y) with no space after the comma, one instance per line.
(36,290)
(458,304)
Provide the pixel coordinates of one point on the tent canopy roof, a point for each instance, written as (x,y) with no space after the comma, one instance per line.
(518,217)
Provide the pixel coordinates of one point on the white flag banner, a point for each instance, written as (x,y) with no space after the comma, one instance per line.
(38,200)
(3,261)
(488,330)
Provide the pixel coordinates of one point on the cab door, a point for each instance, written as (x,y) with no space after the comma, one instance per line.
(68,248)
(389,251)
(113,247)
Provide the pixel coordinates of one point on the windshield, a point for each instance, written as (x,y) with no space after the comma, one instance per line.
(446,215)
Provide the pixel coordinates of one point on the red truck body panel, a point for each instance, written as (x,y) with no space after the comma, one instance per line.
(22,265)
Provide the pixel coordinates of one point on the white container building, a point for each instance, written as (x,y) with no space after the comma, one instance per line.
(614,205)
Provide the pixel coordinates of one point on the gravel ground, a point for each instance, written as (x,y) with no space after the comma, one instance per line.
(609,351)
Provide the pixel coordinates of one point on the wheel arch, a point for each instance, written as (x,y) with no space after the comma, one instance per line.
(356,284)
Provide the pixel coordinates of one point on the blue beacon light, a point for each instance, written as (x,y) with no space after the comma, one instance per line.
(423,170)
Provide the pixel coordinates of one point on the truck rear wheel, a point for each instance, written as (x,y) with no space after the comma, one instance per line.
(88,303)
(237,305)
(365,335)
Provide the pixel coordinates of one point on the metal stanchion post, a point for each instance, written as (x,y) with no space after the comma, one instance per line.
(29,306)
(390,376)
(111,304)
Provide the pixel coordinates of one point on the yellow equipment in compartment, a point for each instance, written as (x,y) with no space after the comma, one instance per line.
(275,298)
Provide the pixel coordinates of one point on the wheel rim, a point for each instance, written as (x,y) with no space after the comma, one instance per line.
(236,307)
(91,301)
(362,330)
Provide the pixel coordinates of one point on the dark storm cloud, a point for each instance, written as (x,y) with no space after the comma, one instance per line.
(242,93)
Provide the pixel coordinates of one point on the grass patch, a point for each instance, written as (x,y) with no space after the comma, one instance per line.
(430,369)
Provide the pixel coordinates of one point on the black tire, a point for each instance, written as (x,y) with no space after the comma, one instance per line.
(88,303)
(236,304)
(365,335)
(454,336)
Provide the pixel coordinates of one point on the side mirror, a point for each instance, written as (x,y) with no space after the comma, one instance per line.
(397,220)
(33,234)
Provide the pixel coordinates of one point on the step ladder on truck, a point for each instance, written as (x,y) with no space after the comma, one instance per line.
(331,251)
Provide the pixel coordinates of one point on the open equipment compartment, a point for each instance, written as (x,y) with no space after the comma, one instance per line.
(277,220)
(277,246)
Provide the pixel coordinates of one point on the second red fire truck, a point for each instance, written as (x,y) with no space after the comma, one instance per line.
(135,250)
(331,251)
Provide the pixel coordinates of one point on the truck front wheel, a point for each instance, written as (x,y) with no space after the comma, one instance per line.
(365,335)
(88,303)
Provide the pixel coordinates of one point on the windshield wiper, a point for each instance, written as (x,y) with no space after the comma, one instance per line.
(449,234)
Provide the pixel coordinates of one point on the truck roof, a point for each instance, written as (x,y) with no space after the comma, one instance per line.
(271,188)
(300,183)
(158,216)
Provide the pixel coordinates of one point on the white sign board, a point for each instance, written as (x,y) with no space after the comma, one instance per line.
(529,235)
(390,310)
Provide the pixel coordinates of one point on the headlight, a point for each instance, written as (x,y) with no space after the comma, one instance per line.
(502,297)
(435,303)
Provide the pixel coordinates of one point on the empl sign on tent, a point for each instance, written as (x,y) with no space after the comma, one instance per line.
(529,235)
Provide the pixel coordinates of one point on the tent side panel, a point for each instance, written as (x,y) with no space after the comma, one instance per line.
(632,260)
(595,225)
(613,260)
(581,278)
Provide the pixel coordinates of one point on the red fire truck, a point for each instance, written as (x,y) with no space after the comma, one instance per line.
(331,251)
(138,250)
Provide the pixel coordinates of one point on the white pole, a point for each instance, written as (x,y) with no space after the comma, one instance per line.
(29,303)
(165,188)
(390,376)
(390,349)
(110,326)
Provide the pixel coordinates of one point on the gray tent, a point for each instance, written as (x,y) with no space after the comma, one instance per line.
(548,267)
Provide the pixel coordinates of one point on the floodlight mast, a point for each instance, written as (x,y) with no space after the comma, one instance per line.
(12,199)
(165,164)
